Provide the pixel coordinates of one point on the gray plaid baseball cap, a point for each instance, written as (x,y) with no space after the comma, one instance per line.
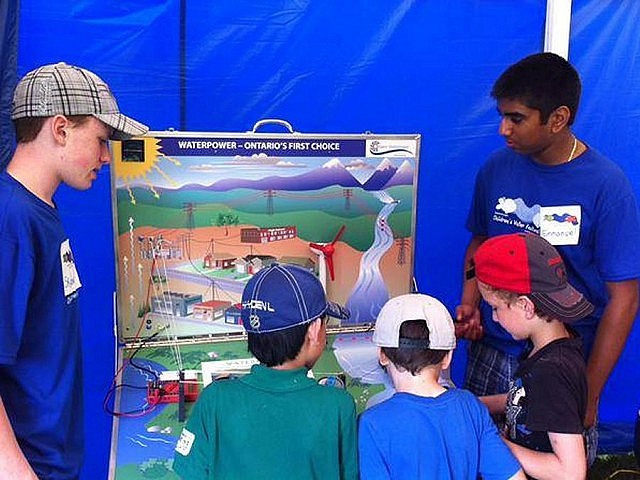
(61,89)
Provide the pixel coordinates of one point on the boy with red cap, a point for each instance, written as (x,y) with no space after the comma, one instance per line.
(524,280)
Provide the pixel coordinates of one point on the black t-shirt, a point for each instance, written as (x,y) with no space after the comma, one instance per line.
(548,394)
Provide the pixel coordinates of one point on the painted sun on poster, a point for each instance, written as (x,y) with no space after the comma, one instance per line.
(197,214)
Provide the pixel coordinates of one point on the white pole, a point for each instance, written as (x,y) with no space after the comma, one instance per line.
(557,27)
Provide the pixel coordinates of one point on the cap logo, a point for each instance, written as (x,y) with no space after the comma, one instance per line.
(254,321)
(555,261)
(258,305)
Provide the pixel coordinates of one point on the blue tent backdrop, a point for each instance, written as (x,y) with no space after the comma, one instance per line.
(8,62)
(402,66)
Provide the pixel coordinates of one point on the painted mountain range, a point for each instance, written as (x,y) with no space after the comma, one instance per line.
(331,173)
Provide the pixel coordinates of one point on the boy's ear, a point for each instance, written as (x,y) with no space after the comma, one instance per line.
(383,360)
(446,361)
(559,118)
(313,332)
(59,125)
(527,305)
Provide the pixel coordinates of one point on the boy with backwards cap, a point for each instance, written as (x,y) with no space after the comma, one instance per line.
(275,422)
(426,431)
(63,118)
(523,278)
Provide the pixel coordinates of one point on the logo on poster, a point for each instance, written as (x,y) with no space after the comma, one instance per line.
(391,148)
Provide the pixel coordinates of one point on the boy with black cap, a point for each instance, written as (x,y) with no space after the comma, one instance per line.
(275,422)
(523,278)
(63,117)
(426,431)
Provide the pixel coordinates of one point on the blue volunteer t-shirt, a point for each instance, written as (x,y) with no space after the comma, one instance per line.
(40,349)
(586,208)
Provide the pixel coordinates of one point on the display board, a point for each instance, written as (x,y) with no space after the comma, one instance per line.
(198,213)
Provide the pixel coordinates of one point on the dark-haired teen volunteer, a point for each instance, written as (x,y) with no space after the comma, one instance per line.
(552,183)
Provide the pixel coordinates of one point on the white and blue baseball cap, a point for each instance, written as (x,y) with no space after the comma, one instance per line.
(282,296)
(415,306)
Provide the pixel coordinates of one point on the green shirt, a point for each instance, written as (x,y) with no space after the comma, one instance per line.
(270,424)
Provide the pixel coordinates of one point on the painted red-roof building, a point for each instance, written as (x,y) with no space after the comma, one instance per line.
(211,310)
(267,235)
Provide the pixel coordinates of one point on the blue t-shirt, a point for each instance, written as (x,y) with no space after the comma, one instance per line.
(450,436)
(40,350)
(586,208)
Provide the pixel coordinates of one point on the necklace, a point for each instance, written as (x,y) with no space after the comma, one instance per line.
(573,150)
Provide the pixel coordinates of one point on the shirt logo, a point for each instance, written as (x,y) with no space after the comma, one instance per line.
(559,225)
(515,212)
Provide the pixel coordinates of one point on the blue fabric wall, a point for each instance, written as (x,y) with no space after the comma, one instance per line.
(402,66)
(8,65)
(605,47)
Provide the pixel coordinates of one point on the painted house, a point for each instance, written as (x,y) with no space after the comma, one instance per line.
(267,235)
(174,303)
(304,262)
(232,315)
(210,311)
(252,264)
(219,261)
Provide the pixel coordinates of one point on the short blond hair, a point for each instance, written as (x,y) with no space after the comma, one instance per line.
(511,297)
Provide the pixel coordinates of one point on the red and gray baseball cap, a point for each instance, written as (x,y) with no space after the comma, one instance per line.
(62,89)
(525,263)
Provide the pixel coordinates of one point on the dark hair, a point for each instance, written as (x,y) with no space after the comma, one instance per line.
(28,128)
(414,359)
(275,348)
(544,82)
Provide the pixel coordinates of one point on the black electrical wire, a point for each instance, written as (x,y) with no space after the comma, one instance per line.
(114,386)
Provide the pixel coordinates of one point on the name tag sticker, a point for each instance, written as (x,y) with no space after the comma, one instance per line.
(561,225)
(70,276)
(185,442)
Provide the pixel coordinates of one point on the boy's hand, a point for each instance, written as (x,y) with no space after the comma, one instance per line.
(468,322)
(592,412)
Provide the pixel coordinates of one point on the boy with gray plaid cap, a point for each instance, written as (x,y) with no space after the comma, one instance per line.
(63,116)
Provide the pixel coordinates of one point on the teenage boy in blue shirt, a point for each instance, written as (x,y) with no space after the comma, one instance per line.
(552,183)
(63,117)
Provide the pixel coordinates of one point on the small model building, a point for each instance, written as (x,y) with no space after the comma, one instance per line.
(267,235)
(210,311)
(175,303)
